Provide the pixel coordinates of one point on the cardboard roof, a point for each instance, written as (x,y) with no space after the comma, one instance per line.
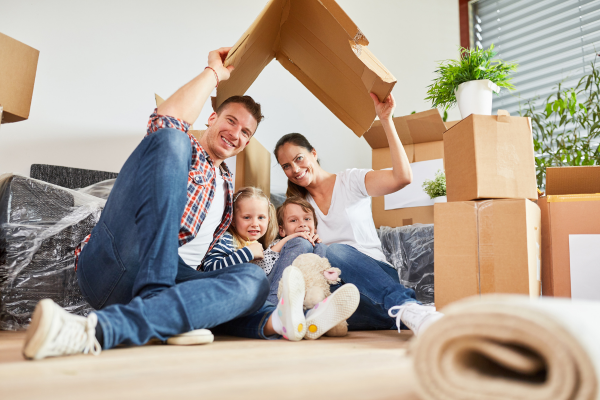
(318,43)
(423,127)
(572,180)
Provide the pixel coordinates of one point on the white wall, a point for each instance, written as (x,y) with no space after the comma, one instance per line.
(102,61)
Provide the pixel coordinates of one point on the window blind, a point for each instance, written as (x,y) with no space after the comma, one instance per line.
(553,41)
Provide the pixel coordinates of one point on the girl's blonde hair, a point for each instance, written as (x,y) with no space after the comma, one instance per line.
(251,192)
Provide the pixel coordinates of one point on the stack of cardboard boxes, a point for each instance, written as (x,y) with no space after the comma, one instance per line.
(18,64)
(488,235)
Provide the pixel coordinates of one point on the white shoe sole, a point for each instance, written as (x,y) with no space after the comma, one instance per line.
(292,300)
(197,336)
(334,309)
(38,329)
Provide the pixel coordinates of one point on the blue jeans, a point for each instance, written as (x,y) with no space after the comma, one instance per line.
(292,249)
(130,269)
(377,283)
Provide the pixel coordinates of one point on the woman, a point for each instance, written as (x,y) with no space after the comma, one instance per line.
(343,206)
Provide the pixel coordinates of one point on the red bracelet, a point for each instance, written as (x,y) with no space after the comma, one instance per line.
(216,76)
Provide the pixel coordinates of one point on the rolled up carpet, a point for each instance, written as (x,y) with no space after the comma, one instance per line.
(511,347)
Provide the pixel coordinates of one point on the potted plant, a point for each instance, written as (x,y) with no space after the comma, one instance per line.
(436,188)
(470,81)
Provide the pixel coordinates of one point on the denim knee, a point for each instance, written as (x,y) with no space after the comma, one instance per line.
(256,285)
(336,251)
(173,145)
(303,245)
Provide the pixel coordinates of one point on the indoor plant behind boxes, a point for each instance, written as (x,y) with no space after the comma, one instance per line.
(436,188)
(470,81)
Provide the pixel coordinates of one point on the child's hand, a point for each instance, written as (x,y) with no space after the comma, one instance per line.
(257,250)
(305,235)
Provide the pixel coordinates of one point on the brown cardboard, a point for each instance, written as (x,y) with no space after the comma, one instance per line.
(490,246)
(18,64)
(421,135)
(568,209)
(490,157)
(318,43)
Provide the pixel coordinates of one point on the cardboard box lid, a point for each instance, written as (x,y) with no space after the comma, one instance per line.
(422,127)
(18,65)
(572,180)
(318,43)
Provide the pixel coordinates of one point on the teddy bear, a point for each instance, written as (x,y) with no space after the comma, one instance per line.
(318,276)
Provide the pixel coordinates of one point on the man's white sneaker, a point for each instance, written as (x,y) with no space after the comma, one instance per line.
(290,309)
(55,332)
(197,336)
(331,311)
(416,316)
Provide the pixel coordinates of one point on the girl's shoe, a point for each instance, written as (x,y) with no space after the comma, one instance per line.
(55,332)
(290,309)
(197,336)
(331,311)
(416,316)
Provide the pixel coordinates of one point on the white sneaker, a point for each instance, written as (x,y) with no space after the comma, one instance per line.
(290,308)
(55,332)
(416,316)
(331,311)
(197,336)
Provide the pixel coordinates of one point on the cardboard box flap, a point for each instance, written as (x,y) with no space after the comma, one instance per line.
(18,65)
(572,180)
(423,127)
(319,44)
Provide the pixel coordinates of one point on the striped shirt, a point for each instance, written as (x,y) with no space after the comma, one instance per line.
(201,187)
(224,254)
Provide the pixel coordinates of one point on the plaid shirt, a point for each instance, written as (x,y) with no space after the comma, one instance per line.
(200,188)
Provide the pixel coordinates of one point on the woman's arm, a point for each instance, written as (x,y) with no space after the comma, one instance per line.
(380,183)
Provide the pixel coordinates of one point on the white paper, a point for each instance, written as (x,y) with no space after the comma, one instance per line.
(585,266)
(231,165)
(413,194)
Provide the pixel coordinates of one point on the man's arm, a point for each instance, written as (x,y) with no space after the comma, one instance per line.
(187,102)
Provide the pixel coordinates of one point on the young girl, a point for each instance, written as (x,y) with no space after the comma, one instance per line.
(255,225)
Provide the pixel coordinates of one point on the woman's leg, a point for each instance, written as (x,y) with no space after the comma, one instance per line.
(379,291)
(290,251)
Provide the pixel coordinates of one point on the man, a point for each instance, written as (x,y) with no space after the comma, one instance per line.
(170,204)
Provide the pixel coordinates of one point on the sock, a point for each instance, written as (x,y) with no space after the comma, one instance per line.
(99,334)
(276,319)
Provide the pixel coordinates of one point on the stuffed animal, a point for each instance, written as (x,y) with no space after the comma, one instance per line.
(318,276)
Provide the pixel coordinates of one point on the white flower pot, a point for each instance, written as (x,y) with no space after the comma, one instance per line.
(475,97)
(440,199)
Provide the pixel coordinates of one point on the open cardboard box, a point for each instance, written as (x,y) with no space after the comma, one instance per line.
(421,135)
(490,157)
(18,65)
(571,206)
(318,43)
(251,167)
(489,246)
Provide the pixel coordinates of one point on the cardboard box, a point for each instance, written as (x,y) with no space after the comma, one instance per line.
(18,64)
(251,167)
(490,246)
(490,157)
(421,135)
(571,207)
(320,45)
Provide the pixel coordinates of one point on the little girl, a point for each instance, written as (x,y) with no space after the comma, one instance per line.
(253,228)
(255,225)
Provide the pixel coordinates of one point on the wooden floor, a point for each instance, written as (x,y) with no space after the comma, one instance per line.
(362,365)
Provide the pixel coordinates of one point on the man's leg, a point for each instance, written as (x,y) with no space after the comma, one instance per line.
(379,291)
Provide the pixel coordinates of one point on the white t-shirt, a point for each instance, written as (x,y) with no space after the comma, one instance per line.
(349,220)
(193,252)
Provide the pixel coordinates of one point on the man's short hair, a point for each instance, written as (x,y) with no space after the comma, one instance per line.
(305,205)
(248,102)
